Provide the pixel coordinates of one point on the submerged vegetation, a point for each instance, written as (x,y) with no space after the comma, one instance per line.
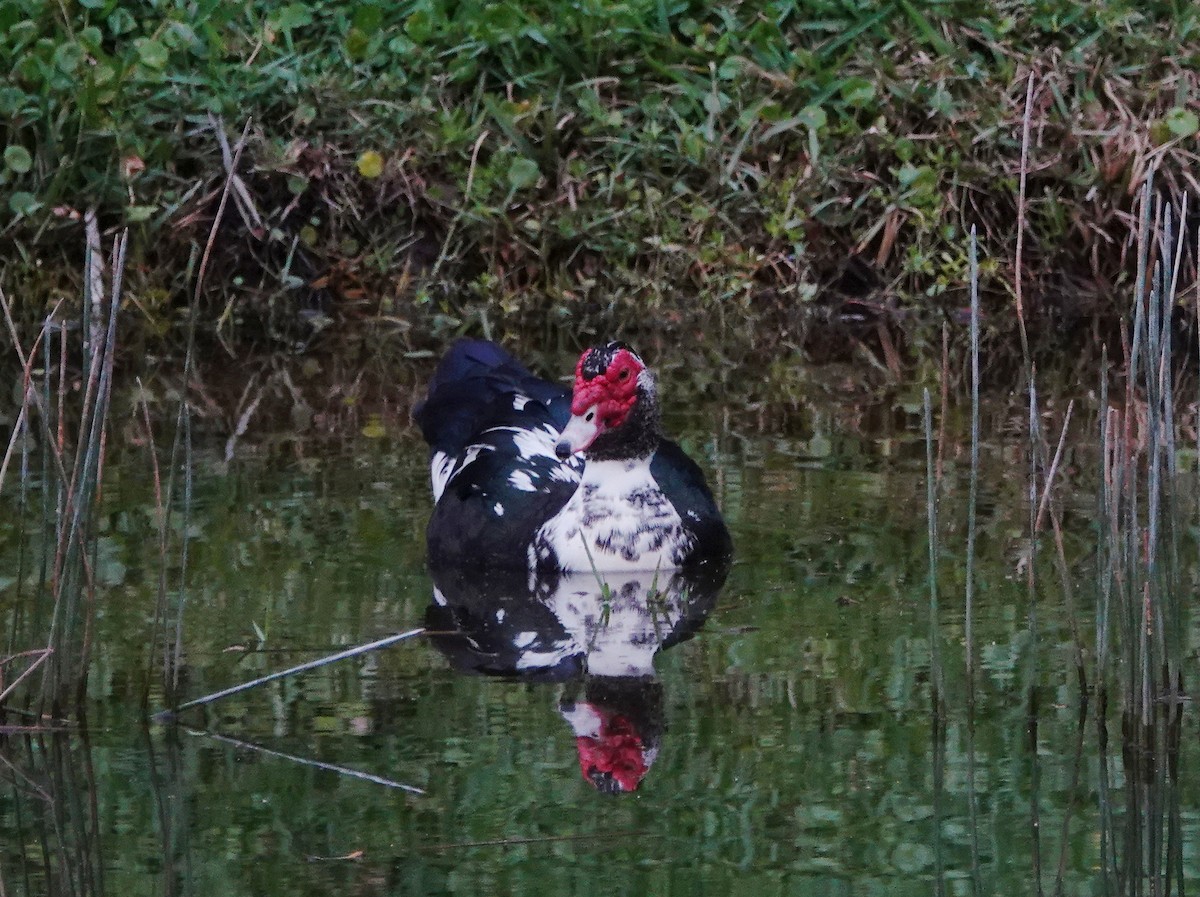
(740,174)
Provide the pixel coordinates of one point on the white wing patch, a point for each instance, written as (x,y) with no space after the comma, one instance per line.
(440,468)
(443,468)
(538,442)
(499,509)
(522,480)
(565,474)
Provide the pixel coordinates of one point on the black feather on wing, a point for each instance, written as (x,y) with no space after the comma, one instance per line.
(682,481)
(495,425)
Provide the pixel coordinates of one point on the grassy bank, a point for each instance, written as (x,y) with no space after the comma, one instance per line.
(763,174)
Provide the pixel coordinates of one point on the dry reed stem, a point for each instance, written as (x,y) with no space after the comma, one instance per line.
(27,368)
(945,402)
(95,403)
(308,761)
(41,655)
(549,839)
(300,668)
(1062,440)
(1018,261)
(94,275)
(12,442)
(159,510)
(231,167)
(441,259)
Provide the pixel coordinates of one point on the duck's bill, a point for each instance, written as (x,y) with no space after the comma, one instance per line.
(580,432)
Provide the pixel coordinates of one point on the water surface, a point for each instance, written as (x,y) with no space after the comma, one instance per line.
(787,734)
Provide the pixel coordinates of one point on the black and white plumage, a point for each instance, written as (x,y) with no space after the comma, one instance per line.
(597,638)
(528,474)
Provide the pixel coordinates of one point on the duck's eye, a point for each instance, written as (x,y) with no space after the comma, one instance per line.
(590,416)
(624,375)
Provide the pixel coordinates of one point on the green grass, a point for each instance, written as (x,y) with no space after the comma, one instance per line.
(439,167)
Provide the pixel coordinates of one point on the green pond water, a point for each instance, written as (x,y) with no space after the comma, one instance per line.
(788,739)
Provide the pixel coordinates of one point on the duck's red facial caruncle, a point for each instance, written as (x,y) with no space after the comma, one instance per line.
(606,389)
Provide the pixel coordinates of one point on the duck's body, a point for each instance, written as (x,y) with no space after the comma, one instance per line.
(520,480)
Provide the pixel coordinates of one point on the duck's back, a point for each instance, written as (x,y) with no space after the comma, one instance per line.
(492,427)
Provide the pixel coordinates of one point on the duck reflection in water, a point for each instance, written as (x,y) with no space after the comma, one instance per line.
(597,635)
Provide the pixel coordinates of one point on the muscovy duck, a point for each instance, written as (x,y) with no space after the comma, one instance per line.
(528,474)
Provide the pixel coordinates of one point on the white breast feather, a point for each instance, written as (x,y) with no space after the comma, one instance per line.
(618,519)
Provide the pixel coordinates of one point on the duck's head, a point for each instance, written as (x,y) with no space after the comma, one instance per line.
(614,407)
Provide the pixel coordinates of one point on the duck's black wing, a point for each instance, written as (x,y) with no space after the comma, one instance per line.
(473,389)
(682,482)
(492,426)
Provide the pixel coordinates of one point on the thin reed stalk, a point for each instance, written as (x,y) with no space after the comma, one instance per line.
(308,761)
(300,668)
(935,660)
(973,493)
(969,597)
(1031,582)
(937,691)
(168,622)
(1139,620)
(1018,272)
(62,607)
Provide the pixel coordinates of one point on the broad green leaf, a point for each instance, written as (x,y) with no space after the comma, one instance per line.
(67,58)
(813,116)
(356,43)
(419,26)
(730,68)
(91,37)
(102,73)
(152,53)
(22,203)
(368,17)
(135,214)
(858,92)
(12,99)
(120,21)
(1182,122)
(294,15)
(522,173)
(17,159)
